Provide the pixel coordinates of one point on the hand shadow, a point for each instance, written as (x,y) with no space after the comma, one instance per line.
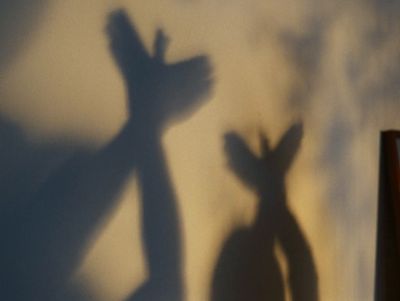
(53,203)
(158,94)
(247,268)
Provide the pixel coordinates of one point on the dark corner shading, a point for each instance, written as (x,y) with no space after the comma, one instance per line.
(247,268)
(53,200)
(19,19)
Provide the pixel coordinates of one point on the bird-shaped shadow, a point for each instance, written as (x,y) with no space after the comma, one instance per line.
(158,94)
(54,203)
(248,268)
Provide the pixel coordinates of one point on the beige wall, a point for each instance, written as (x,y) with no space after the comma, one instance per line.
(333,65)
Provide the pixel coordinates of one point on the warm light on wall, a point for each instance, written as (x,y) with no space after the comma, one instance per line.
(332,66)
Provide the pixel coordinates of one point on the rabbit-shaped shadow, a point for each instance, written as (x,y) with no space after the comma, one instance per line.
(158,94)
(247,268)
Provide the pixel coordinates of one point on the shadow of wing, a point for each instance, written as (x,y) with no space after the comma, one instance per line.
(126,45)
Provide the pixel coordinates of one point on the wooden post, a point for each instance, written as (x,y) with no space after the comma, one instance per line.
(388,236)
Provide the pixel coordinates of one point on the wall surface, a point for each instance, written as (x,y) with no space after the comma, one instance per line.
(330,68)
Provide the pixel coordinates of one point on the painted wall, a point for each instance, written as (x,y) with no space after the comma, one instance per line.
(331,65)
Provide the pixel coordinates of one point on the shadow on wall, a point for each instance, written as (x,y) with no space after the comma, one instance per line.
(52,202)
(49,214)
(159,94)
(247,268)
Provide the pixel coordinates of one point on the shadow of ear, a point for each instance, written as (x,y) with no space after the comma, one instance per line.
(242,161)
(288,147)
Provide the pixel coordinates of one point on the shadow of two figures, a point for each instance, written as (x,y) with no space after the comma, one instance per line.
(247,268)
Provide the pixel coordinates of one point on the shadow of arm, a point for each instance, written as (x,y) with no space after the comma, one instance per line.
(303,278)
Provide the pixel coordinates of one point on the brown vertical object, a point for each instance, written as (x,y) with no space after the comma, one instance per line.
(388,244)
